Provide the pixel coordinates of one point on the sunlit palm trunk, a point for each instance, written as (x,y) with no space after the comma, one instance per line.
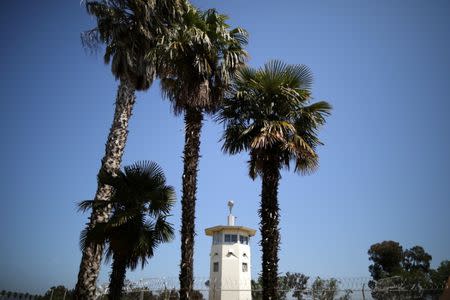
(92,256)
(193,125)
(117,278)
(270,235)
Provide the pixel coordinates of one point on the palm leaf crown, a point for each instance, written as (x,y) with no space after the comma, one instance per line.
(197,59)
(128,28)
(267,112)
(140,204)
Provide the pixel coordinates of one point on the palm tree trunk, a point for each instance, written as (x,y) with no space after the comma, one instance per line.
(117,278)
(270,235)
(193,125)
(92,256)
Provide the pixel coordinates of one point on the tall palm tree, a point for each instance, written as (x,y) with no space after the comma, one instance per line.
(140,204)
(196,64)
(127,28)
(268,114)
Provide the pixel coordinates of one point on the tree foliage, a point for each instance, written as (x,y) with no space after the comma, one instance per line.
(129,29)
(4,294)
(197,59)
(324,289)
(328,289)
(297,283)
(404,274)
(59,292)
(140,205)
(416,259)
(268,113)
(440,276)
(387,258)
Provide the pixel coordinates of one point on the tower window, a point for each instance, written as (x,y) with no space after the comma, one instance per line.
(231,238)
(217,237)
(216,267)
(244,267)
(243,239)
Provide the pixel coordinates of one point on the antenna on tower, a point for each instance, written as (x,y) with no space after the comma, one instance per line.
(230,205)
(230,216)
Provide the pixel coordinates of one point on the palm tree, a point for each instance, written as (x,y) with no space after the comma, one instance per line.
(140,204)
(268,114)
(128,29)
(196,64)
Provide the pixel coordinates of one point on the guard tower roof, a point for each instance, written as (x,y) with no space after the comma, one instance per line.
(210,231)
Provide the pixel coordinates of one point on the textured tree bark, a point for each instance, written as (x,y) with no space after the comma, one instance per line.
(193,125)
(114,148)
(117,278)
(270,235)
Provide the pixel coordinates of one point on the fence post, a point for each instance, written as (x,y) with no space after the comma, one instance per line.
(363,296)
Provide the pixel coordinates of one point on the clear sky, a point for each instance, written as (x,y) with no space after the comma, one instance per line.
(385,167)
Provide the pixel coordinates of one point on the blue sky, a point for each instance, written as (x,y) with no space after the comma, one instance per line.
(384,174)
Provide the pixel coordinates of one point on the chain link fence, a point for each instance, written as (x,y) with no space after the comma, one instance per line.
(296,288)
(315,289)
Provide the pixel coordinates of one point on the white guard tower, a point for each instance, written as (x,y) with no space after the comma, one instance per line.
(230,269)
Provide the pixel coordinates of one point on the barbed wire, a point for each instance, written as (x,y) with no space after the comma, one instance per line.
(343,285)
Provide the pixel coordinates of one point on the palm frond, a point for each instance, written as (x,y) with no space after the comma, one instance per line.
(90,40)
(267,111)
(164,230)
(128,30)
(140,206)
(148,170)
(240,35)
(93,235)
(162,200)
(198,60)
(300,76)
(123,216)
(254,165)
(86,205)
(236,138)
(317,112)
(306,164)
